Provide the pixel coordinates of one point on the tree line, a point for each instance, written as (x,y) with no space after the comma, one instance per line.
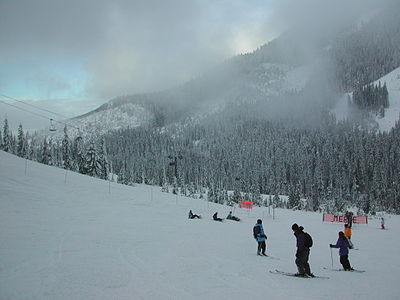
(332,166)
(71,154)
(372,97)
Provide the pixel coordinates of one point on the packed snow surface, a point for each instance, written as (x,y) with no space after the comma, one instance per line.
(68,236)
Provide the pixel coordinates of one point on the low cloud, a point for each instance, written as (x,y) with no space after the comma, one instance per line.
(131,46)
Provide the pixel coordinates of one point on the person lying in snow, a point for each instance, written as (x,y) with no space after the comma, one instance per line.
(215,217)
(231,217)
(193,216)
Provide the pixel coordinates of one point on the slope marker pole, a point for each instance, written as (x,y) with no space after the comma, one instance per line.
(26,164)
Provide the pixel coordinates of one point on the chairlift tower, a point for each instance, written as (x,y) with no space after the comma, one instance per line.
(174,163)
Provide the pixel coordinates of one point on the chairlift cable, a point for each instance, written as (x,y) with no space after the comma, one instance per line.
(34,113)
(25,110)
(34,106)
(48,118)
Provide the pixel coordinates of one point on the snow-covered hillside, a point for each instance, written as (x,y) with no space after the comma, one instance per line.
(68,236)
(102,120)
(233,82)
(392,113)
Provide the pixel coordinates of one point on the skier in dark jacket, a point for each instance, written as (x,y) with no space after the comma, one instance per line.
(343,245)
(259,235)
(349,218)
(302,253)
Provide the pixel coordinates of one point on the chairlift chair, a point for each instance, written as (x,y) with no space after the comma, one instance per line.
(52,126)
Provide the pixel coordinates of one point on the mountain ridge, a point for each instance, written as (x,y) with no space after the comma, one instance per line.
(327,65)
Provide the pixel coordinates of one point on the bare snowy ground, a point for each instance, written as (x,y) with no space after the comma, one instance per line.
(68,236)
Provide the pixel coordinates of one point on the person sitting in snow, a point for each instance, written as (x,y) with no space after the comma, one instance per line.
(232,217)
(215,217)
(343,245)
(193,216)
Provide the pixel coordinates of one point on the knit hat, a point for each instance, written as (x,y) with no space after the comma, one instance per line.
(295,227)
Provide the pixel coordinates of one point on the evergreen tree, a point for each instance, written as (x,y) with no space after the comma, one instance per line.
(31,148)
(277,202)
(52,157)
(78,155)
(211,195)
(92,163)
(13,144)
(21,148)
(294,199)
(46,154)
(6,146)
(236,197)
(103,160)
(66,151)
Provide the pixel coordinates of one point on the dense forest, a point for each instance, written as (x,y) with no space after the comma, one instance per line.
(332,166)
(372,97)
(368,51)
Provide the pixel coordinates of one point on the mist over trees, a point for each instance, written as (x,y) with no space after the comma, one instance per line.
(368,51)
(333,166)
(283,142)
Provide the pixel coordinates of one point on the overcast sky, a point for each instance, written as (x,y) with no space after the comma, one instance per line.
(70,56)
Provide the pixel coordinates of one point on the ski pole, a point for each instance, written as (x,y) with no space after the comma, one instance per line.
(331,257)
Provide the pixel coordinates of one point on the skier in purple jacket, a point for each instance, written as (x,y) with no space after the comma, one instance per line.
(343,245)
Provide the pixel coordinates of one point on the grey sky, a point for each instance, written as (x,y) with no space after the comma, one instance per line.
(95,50)
(74,55)
(130,46)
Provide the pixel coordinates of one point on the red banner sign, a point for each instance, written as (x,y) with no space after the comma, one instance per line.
(343,219)
(246,204)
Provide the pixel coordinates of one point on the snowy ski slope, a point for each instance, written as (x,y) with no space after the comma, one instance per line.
(69,236)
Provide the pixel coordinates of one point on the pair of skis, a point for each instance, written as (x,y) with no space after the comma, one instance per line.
(267,256)
(355,271)
(279,272)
